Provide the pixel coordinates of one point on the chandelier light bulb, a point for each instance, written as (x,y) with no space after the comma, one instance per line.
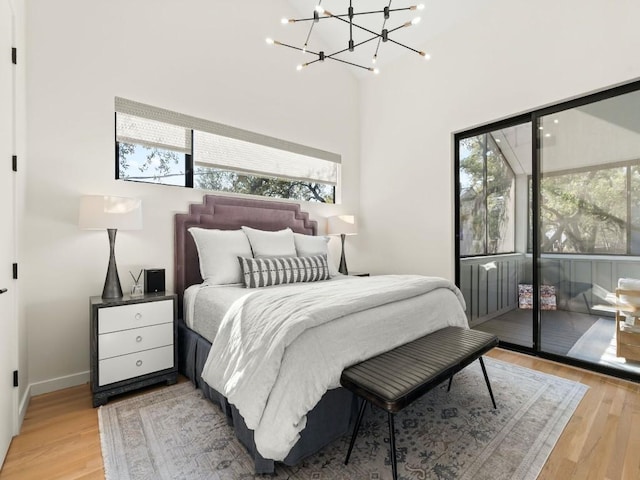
(319,9)
(426,55)
(284,21)
(299,67)
(376,71)
(421,6)
(374,59)
(415,21)
(270,41)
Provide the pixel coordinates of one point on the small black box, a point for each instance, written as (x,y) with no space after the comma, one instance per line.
(154,280)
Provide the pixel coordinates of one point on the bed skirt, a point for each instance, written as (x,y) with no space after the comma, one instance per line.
(331,418)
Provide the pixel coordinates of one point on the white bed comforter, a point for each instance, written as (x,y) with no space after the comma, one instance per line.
(278,350)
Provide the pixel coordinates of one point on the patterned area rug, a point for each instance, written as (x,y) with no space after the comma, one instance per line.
(175,433)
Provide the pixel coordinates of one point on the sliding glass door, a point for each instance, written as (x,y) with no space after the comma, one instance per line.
(548,230)
(493,168)
(588,227)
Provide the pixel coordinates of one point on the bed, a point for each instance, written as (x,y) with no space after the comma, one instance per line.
(325,411)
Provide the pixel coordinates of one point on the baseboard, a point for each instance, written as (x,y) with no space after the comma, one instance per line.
(22,407)
(46,386)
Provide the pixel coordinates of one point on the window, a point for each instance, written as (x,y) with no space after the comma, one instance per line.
(591,210)
(159,146)
(487,208)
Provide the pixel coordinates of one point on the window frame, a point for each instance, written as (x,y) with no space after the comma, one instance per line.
(193,124)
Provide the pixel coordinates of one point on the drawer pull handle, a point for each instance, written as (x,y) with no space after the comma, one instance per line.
(138,316)
(139,363)
(138,339)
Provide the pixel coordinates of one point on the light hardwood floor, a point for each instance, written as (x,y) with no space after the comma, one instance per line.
(60,436)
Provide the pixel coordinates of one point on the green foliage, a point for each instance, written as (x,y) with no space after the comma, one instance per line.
(487,184)
(584,212)
(228,181)
(160,166)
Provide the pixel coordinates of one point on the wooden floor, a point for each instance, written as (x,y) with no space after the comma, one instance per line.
(60,437)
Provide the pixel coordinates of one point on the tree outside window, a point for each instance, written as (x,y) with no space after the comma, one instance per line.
(487,191)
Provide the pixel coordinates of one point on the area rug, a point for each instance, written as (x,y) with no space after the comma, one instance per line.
(174,433)
(598,345)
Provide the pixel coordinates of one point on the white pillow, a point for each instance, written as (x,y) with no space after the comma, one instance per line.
(270,244)
(310,245)
(218,251)
(629,283)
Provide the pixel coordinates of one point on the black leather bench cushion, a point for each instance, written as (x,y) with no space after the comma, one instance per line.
(394,379)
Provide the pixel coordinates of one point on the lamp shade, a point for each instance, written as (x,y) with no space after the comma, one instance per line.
(342,225)
(98,212)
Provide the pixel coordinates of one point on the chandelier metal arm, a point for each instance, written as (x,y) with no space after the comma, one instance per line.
(337,60)
(276,42)
(355,14)
(344,61)
(355,25)
(384,24)
(407,47)
(356,45)
(369,13)
(388,31)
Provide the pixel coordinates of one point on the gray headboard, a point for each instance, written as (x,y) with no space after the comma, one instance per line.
(229,213)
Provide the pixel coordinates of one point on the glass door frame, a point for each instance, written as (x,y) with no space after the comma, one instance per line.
(534,116)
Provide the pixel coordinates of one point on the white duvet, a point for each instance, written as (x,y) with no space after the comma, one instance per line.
(278,350)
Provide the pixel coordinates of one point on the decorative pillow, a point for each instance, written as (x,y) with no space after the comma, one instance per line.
(271,244)
(308,245)
(262,272)
(629,284)
(218,251)
(547,297)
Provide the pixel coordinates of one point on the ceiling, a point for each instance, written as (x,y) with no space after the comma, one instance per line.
(599,133)
(331,35)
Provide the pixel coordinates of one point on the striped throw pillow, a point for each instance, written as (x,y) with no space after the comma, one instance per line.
(262,272)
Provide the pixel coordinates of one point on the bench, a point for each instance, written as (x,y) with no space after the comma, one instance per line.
(394,379)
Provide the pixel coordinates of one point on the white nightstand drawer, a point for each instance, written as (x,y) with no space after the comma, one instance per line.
(129,341)
(134,365)
(125,317)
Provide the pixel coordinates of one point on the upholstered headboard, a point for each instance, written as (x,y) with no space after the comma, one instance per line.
(229,213)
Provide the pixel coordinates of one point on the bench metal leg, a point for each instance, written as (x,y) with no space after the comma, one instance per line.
(486,379)
(450,380)
(355,430)
(392,446)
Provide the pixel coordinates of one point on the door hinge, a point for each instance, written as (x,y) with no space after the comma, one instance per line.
(15,378)
(14,55)
(14,163)
(15,271)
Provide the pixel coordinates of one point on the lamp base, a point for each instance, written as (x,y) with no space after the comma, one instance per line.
(112,288)
(343,261)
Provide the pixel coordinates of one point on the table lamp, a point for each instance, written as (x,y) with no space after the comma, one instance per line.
(342,225)
(99,212)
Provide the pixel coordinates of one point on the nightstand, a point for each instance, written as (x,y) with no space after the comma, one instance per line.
(133,343)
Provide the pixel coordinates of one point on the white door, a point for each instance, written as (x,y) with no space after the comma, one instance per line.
(8,333)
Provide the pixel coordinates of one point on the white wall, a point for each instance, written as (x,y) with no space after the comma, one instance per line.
(511,57)
(199,57)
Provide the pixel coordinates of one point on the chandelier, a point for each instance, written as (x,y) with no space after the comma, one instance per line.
(350,18)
